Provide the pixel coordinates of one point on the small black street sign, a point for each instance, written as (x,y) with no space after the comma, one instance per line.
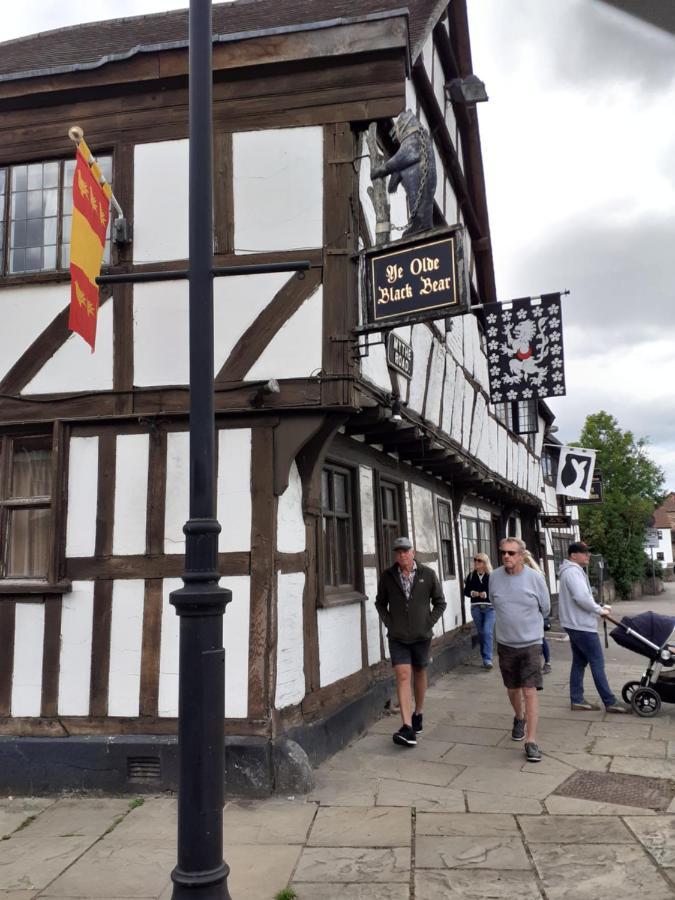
(400,355)
(414,281)
(557,521)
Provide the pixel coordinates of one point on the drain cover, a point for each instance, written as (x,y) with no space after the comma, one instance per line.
(612,787)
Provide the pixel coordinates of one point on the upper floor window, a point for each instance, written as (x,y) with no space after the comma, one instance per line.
(36,204)
(26,506)
(549,464)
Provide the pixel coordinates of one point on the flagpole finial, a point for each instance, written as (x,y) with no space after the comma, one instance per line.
(76,134)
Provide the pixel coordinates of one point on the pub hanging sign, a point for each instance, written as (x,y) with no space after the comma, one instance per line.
(414,281)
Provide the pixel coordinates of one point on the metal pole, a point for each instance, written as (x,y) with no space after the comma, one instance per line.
(201,873)
(653,572)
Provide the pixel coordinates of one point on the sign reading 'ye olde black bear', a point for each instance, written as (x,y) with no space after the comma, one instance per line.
(415,282)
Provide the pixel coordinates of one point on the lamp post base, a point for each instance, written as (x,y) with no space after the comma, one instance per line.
(210,885)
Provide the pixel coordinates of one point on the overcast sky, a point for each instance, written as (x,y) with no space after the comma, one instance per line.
(579,148)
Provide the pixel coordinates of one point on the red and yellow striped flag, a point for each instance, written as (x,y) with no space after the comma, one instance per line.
(91,212)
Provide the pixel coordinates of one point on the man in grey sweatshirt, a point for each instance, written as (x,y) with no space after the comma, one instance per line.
(521,600)
(578,613)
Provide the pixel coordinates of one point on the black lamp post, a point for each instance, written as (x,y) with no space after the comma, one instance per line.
(201,872)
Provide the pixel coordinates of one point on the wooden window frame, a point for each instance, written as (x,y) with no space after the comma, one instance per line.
(490,549)
(51,583)
(564,541)
(339,595)
(398,486)
(452,574)
(60,266)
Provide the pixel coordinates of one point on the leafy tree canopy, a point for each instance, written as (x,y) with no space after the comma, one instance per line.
(632,489)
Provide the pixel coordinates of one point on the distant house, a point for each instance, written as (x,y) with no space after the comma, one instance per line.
(664,522)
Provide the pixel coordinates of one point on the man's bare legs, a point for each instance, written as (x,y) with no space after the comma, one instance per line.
(526,708)
(405,677)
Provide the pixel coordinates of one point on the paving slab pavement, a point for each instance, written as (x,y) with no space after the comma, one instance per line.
(462,815)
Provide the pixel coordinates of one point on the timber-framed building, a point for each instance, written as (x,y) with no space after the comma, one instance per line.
(313,478)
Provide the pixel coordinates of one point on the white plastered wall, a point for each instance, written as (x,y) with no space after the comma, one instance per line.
(339,642)
(25,312)
(82,496)
(29,626)
(290,640)
(161,201)
(126,641)
(278,189)
(131,493)
(234,489)
(177,506)
(77,622)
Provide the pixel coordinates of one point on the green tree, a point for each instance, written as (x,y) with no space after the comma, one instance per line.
(632,489)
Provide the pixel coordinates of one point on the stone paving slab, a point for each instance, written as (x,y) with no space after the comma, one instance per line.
(427,748)
(33,863)
(350,864)
(343,789)
(567,742)
(156,817)
(520,784)
(575,830)
(621,727)
(584,761)
(564,806)
(15,811)
(595,872)
(352,827)
(70,817)
(274,821)
(657,835)
(475,884)
(420,796)
(636,748)
(501,803)
(462,824)
(654,768)
(404,765)
(510,757)
(487,737)
(135,870)
(259,876)
(504,852)
(351,891)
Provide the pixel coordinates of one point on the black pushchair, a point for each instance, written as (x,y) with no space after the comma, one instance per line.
(648,634)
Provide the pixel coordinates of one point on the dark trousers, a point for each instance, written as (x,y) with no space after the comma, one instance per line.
(587,651)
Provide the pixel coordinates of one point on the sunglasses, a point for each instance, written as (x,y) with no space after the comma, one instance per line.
(476,559)
(509,552)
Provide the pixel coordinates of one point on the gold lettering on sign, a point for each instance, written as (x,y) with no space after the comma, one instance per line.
(394,273)
(424,264)
(430,286)
(390,295)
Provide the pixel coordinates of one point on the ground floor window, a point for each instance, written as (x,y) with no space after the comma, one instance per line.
(559,543)
(392,522)
(477,537)
(445,535)
(340,557)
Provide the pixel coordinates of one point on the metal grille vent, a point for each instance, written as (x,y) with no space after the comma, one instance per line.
(143,768)
(613,787)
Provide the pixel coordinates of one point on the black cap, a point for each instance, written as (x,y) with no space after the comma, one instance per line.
(578,547)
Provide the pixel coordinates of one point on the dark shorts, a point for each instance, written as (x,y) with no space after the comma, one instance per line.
(520,666)
(416,654)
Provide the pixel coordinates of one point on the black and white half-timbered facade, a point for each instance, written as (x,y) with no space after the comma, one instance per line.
(324,449)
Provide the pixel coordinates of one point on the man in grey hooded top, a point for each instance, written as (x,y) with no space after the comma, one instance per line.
(578,613)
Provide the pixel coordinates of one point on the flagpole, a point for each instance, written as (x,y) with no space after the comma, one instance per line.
(475,306)
(76,134)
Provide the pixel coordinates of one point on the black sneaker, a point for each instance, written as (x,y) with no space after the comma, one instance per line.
(518,730)
(405,736)
(417,722)
(532,752)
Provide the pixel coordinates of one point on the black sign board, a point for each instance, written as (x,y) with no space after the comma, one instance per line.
(595,494)
(559,521)
(416,280)
(400,355)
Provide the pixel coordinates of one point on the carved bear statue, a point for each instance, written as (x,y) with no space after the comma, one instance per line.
(413,165)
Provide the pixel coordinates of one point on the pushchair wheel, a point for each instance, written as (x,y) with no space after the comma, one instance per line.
(645,701)
(628,690)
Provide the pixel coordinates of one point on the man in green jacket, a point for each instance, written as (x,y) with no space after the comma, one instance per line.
(409,601)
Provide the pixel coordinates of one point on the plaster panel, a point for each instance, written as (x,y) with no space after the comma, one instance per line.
(448,393)
(290,520)
(439,81)
(428,57)
(295,350)
(339,642)
(77,617)
(452,591)
(432,407)
(455,340)
(364,183)
(82,496)
(177,506)
(451,122)
(25,312)
(29,627)
(161,201)
(439,194)
(483,451)
(74,367)
(458,406)
(493,445)
(131,493)
(290,640)
(421,343)
(424,519)
(372,618)
(233,492)
(278,189)
(126,640)
(502,448)
(478,425)
(439,627)
(410,96)
(367,492)
(451,204)
(469,400)
(374,367)
(235,642)
(167,700)
(469,326)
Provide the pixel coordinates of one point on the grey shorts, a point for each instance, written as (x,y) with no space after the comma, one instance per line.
(520,666)
(415,654)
